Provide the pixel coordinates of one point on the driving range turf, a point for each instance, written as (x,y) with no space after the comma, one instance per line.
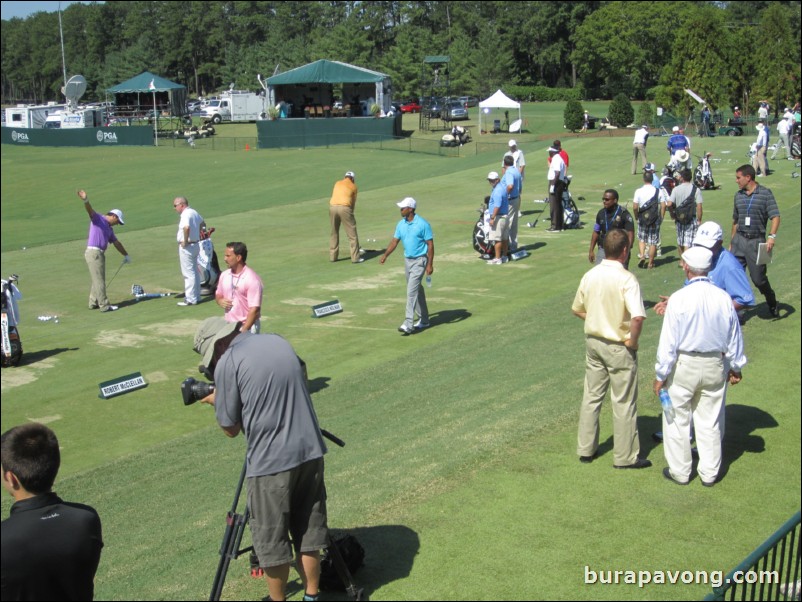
(460,474)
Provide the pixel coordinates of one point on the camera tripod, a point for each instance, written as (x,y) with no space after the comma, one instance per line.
(235,527)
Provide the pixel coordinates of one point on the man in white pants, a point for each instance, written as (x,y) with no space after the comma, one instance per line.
(700,350)
(189,229)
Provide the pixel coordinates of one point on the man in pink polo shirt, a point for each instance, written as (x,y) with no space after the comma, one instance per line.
(239,290)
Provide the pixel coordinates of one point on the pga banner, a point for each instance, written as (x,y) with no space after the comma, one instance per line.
(122,385)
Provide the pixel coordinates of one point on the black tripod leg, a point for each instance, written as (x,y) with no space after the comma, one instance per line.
(354,592)
(235,523)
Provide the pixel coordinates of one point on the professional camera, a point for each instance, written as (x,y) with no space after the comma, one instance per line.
(192,390)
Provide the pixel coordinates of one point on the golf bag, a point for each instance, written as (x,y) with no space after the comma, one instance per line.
(11,343)
(668,180)
(458,136)
(207,263)
(570,211)
(795,141)
(703,176)
(481,233)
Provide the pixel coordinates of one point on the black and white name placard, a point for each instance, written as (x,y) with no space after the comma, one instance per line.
(327,309)
(122,385)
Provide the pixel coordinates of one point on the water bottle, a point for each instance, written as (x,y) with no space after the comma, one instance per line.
(668,408)
(429,281)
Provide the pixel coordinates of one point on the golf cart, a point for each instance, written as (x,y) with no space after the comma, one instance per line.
(733,128)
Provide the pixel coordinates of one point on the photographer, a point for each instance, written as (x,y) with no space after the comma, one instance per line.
(261,390)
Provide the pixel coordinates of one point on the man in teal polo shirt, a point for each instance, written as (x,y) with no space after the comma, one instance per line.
(416,235)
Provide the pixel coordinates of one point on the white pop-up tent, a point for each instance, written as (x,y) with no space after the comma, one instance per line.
(499,100)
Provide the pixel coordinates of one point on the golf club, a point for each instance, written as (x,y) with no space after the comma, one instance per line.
(534,223)
(115,274)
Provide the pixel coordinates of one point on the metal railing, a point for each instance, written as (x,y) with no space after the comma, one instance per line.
(771,572)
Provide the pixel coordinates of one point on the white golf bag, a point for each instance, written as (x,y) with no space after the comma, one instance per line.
(703,176)
(11,343)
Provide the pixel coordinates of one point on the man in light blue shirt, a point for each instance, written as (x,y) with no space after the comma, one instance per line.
(727,273)
(499,208)
(415,234)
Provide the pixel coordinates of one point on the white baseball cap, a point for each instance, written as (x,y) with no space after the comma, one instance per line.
(350,174)
(493,176)
(708,234)
(119,215)
(513,143)
(408,202)
(698,258)
(675,128)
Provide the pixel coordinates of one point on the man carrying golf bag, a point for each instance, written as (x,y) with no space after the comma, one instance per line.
(261,390)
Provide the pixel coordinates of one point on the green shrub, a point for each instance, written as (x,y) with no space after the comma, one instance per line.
(645,115)
(621,111)
(573,115)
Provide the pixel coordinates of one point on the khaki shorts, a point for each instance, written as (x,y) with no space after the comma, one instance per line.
(501,229)
(290,504)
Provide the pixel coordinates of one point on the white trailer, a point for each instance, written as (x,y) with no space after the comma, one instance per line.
(30,116)
(234,106)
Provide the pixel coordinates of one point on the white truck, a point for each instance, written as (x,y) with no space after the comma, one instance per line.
(235,105)
(87,117)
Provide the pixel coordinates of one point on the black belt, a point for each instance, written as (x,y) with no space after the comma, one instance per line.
(751,235)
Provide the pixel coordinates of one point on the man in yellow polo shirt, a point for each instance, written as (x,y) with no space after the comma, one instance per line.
(341,210)
(610,303)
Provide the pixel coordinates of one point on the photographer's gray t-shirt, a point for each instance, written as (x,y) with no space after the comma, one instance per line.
(259,383)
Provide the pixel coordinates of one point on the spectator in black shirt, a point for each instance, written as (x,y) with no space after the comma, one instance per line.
(50,548)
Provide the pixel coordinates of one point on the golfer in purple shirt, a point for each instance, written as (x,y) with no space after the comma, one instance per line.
(100,235)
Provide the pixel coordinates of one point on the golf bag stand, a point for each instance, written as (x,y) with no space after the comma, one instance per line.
(570,210)
(481,233)
(703,176)
(232,538)
(208,265)
(11,343)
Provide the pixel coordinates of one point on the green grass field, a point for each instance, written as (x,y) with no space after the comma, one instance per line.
(459,476)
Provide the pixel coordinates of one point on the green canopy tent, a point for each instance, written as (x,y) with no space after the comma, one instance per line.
(138,94)
(313,84)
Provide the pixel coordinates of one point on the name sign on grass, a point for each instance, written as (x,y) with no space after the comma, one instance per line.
(326,309)
(122,385)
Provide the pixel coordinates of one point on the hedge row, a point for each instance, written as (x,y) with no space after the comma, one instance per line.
(543,93)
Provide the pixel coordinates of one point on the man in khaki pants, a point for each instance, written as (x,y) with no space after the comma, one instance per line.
(341,210)
(609,301)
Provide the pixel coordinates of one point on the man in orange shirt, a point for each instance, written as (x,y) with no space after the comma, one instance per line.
(341,210)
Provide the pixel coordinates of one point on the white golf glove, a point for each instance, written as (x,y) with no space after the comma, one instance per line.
(127,259)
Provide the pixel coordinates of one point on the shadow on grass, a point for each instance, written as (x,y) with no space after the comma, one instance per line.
(534,246)
(741,422)
(318,384)
(646,426)
(449,316)
(390,552)
(762,312)
(38,356)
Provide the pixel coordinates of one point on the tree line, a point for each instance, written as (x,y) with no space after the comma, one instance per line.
(727,52)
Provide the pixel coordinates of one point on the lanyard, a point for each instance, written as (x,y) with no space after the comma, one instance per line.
(606,222)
